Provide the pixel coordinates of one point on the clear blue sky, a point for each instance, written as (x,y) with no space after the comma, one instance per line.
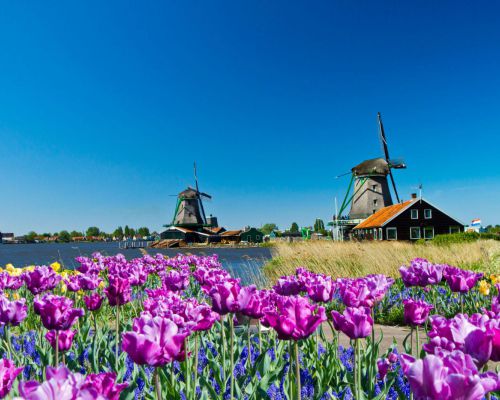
(105,105)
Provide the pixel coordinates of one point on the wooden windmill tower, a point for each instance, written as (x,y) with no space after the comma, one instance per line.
(369,183)
(189,211)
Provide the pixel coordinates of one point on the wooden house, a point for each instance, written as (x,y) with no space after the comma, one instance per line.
(411,220)
(252,235)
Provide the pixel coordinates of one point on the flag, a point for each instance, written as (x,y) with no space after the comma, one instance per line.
(476,222)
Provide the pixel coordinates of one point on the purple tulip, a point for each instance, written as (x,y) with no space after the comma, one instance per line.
(41,279)
(451,377)
(378,285)
(73,283)
(8,373)
(65,339)
(89,281)
(57,312)
(8,281)
(383,366)
(293,317)
(421,273)
(355,322)
(321,288)
(460,280)
(103,386)
(288,286)
(62,384)
(155,341)
(356,293)
(472,335)
(229,297)
(118,291)
(257,303)
(93,302)
(176,280)
(12,312)
(416,312)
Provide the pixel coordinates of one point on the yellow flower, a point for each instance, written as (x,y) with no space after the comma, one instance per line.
(31,268)
(55,266)
(16,296)
(64,288)
(9,267)
(495,279)
(102,284)
(6,294)
(484,288)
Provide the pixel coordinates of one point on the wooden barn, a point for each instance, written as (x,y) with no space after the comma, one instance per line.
(411,220)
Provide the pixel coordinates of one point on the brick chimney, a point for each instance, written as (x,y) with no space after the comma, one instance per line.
(413,195)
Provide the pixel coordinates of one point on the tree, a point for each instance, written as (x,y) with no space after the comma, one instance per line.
(294,228)
(126,232)
(64,236)
(75,234)
(268,228)
(31,236)
(118,233)
(93,231)
(319,225)
(143,231)
(132,232)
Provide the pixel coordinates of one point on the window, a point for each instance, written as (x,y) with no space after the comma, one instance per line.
(374,211)
(374,202)
(428,232)
(374,188)
(454,229)
(392,233)
(414,232)
(380,237)
(257,238)
(375,234)
(428,213)
(414,214)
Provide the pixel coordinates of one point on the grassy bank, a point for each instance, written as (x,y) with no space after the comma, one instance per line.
(349,259)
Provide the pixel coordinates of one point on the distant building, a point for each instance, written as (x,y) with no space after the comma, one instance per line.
(6,237)
(252,235)
(411,220)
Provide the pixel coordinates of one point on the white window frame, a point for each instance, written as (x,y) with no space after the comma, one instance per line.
(427,227)
(416,213)
(456,227)
(430,213)
(375,237)
(380,235)
(419,233)
(395,231)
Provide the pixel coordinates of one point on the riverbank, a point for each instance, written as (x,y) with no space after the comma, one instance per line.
(340,259)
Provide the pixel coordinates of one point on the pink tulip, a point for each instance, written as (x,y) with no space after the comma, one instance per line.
(57,312)
(155,341)
(65,339)
(93,302)
(8,373)
(118,291)
(416,312)
(293,317)
(12,312)
(355,322)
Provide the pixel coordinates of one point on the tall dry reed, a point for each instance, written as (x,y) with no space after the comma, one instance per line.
(352,259)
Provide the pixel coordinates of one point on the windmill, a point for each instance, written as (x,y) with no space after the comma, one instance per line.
(189,211)
(369,183)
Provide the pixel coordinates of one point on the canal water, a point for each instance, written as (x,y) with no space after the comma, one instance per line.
(244,263)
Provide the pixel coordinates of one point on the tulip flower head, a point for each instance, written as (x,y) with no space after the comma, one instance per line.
(355,322)
(293,317)
(8,374)
(154,341)
(57,312)
(41,279)
(93,302)
(119,291)
(65,339)
(416,312)
(460,280)
(12,312)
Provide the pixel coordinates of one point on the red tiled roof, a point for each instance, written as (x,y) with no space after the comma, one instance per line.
(383,215)
(231,233)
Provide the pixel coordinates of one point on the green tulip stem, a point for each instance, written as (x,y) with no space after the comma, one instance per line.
(117,344)
(6,333)
(223,337)
(195,362)
(249,358)
(188,370)
(290,369)
(57,349)
(157,384)
(231,356)
(462,302)
(355,369)
(260,337)
(417,340)
(297,370)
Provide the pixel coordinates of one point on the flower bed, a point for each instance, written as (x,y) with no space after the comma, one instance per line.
(183,328)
